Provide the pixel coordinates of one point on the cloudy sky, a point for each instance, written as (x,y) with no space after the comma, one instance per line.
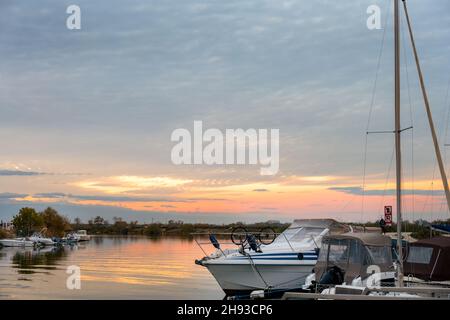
(86,115)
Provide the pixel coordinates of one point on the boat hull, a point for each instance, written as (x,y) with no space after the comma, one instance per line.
(43,241)
(16,243)
(84,237)
(244,278)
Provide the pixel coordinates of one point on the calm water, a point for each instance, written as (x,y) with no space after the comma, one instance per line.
(111,268)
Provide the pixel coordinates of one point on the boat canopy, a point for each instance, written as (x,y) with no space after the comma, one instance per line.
(308,229)
(353,254)
(319,223)
(429,259)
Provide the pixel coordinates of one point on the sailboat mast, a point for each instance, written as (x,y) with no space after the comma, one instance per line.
(427,107)
(398,154)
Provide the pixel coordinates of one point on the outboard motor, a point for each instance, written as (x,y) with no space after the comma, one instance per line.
(334,275)
(214,241)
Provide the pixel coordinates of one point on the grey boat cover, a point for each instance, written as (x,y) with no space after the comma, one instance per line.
(354,253)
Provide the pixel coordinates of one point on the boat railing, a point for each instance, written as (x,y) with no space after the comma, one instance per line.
(413,293)
(217,239)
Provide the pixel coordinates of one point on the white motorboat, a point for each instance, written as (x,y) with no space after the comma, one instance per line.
(82,235)
(39,238)
(17,242)
(71,238)
(283,264)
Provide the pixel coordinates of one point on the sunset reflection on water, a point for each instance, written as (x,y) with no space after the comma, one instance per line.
(116,267)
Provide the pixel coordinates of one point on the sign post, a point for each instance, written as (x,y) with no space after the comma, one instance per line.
(388,215)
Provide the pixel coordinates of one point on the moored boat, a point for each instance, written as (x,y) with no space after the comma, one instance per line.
(17,242)
(283,264)
(39,238)
(82,235)
(356,259)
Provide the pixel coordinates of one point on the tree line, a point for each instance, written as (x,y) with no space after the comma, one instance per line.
(28,221)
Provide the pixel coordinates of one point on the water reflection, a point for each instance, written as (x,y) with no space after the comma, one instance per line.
(35,260)
(112,267)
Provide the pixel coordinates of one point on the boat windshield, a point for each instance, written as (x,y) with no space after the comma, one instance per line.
(299,234)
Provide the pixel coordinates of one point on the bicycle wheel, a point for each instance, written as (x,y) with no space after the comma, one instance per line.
(238,235)
(266,235)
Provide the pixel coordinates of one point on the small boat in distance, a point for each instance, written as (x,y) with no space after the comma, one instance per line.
(39,238)
(78,236)
(82,235)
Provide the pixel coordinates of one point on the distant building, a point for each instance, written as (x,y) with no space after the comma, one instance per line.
(6,225)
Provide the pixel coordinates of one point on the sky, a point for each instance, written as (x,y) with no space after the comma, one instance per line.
(86,115)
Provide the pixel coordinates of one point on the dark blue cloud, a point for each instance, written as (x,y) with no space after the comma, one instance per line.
(9,195)
(58,195)
(19,173)
(372,192)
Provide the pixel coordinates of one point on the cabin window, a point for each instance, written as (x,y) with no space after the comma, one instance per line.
(335,251)
(420,255)
(379,255)
(339,251)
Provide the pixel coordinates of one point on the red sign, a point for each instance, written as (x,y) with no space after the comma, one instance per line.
(388,215)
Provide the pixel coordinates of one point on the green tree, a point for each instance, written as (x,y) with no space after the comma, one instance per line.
(120,227)
(27,221)
(77,221)
(187,229)
(153,230)
(55,223)
(99,220)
